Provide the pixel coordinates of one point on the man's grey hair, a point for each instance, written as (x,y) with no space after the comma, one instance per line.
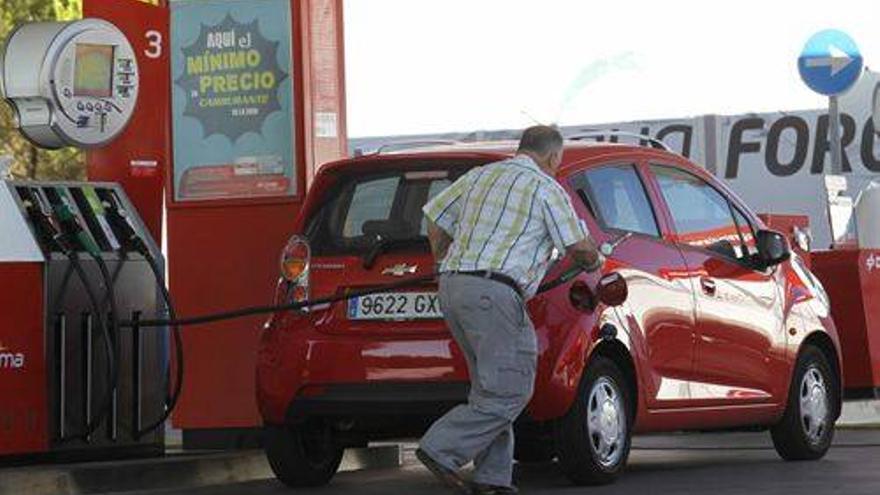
(541,140)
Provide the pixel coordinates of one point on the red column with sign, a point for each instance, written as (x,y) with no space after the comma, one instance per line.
(138,158)
(225,225)
(223,251)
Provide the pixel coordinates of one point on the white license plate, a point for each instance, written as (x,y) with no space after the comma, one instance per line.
(395,306)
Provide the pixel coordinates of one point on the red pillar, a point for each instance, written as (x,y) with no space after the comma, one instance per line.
(223,253)
(139,157)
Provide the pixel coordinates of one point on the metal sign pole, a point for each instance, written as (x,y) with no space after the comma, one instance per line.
(834,136)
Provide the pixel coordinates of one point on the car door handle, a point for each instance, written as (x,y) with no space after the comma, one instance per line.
(709,286)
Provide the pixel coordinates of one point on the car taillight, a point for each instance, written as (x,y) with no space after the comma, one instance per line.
(295,259)
(295,262)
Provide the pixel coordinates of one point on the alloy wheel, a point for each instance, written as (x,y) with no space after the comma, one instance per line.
(606,422)
(814,404)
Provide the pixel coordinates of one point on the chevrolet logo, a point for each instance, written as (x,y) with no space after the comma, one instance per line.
(400,270)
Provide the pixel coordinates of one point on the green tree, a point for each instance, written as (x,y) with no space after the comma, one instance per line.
(29,161)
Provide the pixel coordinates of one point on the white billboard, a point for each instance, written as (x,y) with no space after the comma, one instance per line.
(777,162)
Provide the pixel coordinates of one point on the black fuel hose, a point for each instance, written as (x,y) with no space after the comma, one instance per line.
(112,366)
(565,277)
(131,241)
(113,331)
(170,401)
(57,239)
(175,323)
(71,234)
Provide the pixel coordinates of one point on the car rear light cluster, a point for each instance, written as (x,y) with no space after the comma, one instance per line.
(294,263)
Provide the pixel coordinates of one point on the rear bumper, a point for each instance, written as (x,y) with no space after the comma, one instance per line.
(377,399)
(303,373)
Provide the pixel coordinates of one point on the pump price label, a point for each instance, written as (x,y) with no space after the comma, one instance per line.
(395,306)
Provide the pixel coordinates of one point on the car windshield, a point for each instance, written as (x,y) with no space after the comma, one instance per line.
(365,210)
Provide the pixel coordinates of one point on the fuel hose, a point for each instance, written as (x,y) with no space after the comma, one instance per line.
(176,323)
(92,424)
(171,400)
(68,235)
(565,277)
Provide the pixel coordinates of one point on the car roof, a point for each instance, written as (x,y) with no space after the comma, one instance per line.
(485,150)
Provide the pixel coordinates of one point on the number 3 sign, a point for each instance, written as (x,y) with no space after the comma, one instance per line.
(154,44)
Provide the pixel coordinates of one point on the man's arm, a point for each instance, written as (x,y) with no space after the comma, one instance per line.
(439,239)
(568,232)
(441,215)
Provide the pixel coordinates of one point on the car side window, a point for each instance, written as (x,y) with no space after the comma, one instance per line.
(617,198)
(702,216)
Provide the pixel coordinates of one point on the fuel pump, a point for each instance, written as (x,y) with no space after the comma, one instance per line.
(85,383)
(81,255)
(61,233)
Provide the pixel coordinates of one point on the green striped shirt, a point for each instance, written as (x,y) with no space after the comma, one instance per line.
(506,217)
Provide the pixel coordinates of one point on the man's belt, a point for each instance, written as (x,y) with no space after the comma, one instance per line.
(497,277)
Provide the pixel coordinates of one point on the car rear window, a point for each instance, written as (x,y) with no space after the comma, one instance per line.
(365,208)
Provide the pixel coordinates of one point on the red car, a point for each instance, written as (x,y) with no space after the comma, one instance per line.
(721,326)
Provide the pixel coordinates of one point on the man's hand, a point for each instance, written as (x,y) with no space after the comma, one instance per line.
(439,240)
(586,255)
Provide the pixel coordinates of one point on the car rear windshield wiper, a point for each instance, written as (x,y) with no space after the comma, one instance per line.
(375,250)
(382,244)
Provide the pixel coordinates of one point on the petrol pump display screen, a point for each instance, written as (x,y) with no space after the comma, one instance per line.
(93,70)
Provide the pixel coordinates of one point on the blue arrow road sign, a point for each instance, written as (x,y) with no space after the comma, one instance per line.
(830,62)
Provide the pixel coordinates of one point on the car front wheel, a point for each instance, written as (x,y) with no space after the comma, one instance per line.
(593,439)
(807,427)
(305,455)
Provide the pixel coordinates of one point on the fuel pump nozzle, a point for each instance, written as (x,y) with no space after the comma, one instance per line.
(122,225)
(72,229)
(43,222)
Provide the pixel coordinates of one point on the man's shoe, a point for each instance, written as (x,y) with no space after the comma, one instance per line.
(449,477)
(481,489)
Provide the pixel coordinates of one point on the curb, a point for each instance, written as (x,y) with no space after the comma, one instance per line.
(178,471)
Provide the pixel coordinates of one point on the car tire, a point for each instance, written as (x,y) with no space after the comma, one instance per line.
(306,455)
(534,450)
(807,427)
(593,439)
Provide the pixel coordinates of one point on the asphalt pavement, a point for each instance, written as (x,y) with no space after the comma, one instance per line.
(718,464)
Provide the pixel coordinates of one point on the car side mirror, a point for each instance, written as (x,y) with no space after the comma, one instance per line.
(612,289)
(772,248)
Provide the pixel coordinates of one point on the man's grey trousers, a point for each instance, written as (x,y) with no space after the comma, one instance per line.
(489,321)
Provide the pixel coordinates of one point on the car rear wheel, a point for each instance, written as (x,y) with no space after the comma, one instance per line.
(305,455)
(593,439)
(807,428)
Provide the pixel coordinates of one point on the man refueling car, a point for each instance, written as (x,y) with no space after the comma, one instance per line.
(700,318)
(494,231)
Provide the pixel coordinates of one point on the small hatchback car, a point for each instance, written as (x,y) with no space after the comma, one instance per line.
(722,326)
